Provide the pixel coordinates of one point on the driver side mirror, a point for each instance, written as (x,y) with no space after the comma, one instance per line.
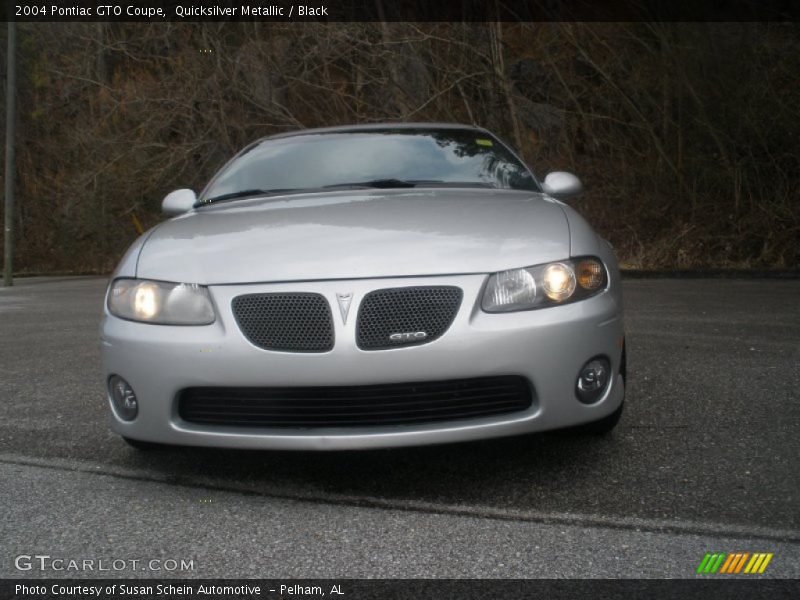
(560,184)
(178,202)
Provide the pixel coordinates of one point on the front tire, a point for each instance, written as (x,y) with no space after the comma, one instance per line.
(602,426)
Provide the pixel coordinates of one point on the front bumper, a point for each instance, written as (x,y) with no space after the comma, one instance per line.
(548,346)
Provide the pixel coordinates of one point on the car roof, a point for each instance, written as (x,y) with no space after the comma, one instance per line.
(366,127)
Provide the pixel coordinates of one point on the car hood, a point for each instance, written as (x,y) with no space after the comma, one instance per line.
(357,234)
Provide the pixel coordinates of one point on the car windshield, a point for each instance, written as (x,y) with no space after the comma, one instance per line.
(375,158)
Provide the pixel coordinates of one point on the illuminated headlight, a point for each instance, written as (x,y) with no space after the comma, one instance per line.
(559,281)
(544,285)
(160,302)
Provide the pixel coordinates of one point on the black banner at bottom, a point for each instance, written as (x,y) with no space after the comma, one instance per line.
(388,589)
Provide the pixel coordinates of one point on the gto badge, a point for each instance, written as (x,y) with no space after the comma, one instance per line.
(405,338)
(344,305)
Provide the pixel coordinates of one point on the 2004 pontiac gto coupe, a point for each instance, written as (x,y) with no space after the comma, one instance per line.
(363,287)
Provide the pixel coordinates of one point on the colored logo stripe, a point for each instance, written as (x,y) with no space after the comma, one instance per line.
(728,563)
(758,563)
(710,563)
(737,562)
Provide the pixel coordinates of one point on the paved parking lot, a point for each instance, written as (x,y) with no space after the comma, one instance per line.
(705,459)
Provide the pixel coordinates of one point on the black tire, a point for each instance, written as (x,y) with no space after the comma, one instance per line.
(602,426)
(144,446)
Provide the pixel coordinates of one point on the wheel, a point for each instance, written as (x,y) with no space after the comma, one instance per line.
(602,426)
(142,445)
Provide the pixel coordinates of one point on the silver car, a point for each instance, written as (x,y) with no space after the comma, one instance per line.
(364,287)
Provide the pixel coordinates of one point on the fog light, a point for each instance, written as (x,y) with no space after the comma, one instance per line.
(123,398)
(592,380)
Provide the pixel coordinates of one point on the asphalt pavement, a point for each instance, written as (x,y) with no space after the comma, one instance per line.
(704,459)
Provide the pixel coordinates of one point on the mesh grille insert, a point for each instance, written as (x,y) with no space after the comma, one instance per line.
(409,310)
(353,406)
(292,322)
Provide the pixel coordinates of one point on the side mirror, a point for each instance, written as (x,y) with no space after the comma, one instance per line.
(561,184)
(178,202)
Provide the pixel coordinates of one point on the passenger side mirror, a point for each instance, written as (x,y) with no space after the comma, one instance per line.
(561,184)
(178,202)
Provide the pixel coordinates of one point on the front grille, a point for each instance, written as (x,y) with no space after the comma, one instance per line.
(291,322)
(410,310)
(388,404)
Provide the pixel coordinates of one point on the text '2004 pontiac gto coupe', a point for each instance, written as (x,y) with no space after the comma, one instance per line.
(362,287)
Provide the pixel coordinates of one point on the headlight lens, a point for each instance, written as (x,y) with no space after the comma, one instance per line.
(511,290)
(559,282)
(591,274)
(160,302)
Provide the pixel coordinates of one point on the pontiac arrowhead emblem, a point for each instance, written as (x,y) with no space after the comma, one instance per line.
(344,305)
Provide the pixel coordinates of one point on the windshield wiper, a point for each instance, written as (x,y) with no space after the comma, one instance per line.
(408,183)
(244,194)
(374,183)
(385,183)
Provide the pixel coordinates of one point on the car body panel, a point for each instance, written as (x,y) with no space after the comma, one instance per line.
(357,234)
(129,261)
(547,346)
(583,241)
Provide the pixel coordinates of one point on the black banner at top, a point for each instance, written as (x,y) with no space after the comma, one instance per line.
(400,10)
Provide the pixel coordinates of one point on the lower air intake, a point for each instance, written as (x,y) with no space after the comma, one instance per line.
(356,406)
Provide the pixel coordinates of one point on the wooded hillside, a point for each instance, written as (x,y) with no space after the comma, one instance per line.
(686,135)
